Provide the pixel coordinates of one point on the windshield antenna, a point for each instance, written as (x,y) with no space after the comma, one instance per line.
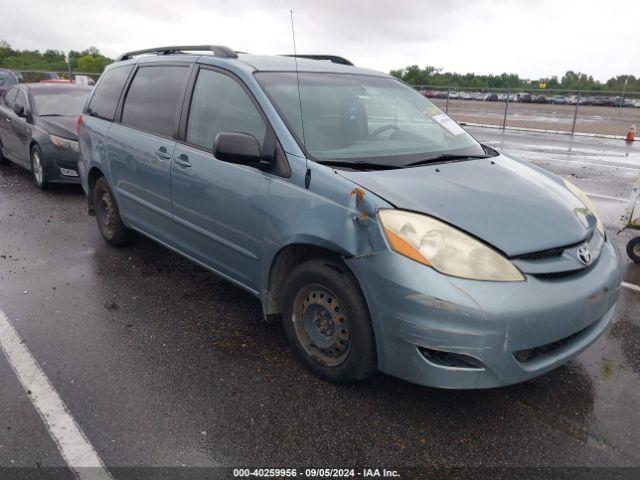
(307,177)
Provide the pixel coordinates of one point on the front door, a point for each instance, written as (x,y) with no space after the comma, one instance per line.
(218,206)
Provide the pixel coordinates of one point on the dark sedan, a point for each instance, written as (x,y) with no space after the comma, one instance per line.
(38,130)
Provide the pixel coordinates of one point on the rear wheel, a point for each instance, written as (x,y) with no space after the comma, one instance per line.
(108,216)
(37,168)
(633,249)
(327,320)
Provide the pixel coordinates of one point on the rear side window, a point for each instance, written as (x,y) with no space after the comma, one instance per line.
(220,104)
(153,99)
(105,98)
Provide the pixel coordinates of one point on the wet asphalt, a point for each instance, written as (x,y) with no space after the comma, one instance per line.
(163,364)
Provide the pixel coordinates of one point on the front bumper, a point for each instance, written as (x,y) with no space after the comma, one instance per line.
(414,307)
(56,159)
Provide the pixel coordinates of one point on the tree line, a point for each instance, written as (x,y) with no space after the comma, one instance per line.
(85,61)
(435,77)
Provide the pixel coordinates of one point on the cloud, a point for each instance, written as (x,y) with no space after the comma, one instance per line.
(533,39)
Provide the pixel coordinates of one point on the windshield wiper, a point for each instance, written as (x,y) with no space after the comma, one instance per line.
(358,165)
(445,158)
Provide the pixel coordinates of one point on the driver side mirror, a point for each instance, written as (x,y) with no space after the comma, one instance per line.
(240,148)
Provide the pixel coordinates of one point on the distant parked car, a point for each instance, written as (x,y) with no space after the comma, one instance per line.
(540,99)
(615,102)
(454,95)
(559,100)
(466,96)
(38,130)
(600,101)
(426,93)
(524,97)
(7,80)
(440,94)
(490,97)
(477,95)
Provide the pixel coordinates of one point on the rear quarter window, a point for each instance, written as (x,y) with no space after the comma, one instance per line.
(107,94)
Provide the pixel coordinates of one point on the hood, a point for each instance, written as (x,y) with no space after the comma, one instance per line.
(62,126)
(516,207)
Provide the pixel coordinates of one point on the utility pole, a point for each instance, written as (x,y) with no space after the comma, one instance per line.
(67,59)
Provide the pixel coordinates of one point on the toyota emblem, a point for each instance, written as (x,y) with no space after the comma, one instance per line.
(584,254)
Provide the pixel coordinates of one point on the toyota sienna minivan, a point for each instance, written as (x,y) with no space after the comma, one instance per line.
(382,234)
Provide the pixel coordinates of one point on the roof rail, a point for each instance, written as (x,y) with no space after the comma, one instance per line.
(331,58)
(217,50)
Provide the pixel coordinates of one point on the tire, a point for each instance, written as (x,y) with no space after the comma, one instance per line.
(633,249)
(3,160)
(38,171)
(327,320)
(108,218)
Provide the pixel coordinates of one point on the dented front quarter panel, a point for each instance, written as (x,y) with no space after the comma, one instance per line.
(333,213)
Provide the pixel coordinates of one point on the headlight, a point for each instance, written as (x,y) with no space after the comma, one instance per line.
(65,143)
(587,203)
(444,248)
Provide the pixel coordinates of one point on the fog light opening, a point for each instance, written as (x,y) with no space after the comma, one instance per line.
(450,359)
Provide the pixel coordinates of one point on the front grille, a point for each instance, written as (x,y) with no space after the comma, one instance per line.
(555,252)
(450,359)
(559,275)
(524,356)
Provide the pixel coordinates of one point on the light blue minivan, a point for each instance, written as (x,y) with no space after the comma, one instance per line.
(382,234)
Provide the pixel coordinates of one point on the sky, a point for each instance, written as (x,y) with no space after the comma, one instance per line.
(533,39)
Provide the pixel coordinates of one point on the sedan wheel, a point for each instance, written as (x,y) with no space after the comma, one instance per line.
(37,168)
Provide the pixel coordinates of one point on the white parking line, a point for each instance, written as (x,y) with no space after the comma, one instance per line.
(631,286)
(76,450)
(624,200)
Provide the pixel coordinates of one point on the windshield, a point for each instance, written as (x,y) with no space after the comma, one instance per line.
(57,102)
(358,118)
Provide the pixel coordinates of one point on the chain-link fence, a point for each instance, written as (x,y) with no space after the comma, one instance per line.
(566,111)
(551,110)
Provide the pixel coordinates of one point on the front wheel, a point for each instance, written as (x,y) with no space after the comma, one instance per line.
(327,320)
(633,249)
(108,216)
(37,168)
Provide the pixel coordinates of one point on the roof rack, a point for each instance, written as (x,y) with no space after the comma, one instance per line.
(217,50)
(331,58)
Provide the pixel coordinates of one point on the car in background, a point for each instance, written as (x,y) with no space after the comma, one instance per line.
(38,130)
(524,97)
(466,96)
(8,79)
(490,97)
(615,102)
(559,100)
(600,101)
(454,95)
(478,95)
(540,99)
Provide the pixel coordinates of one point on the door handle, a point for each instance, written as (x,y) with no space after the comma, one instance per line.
(183,161)
(162,153)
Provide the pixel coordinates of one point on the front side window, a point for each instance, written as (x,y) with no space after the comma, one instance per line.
(107,94)
(153,99)
(21,99)
(10,97)
(219,104)
(59,102)
(360,118)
